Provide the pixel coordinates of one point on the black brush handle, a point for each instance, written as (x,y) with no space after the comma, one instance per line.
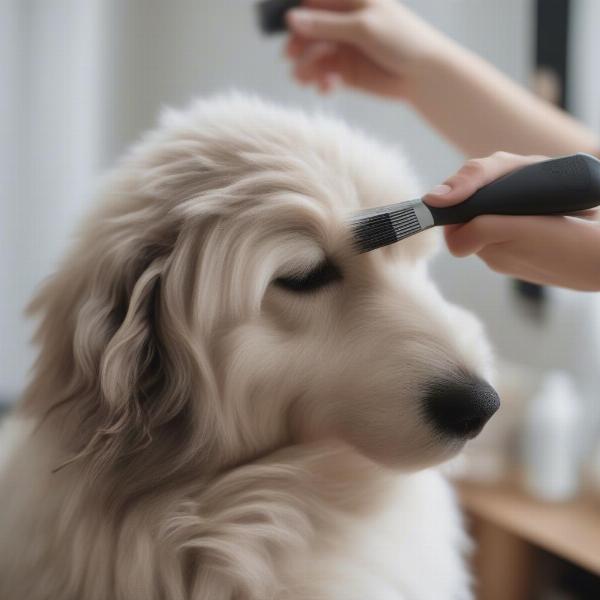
(557,186)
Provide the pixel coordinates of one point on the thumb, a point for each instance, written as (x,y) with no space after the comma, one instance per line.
(476,173)
(447,194)
(323,24)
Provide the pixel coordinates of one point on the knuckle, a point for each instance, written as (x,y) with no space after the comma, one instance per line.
(454,244)
(474,166)
(364,23)
(462,178)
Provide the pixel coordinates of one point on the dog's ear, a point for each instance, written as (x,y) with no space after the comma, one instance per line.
(116,350)
(131,366)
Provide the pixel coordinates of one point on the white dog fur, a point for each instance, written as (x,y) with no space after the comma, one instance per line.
(193,430)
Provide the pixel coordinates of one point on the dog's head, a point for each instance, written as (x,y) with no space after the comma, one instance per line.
(214,308)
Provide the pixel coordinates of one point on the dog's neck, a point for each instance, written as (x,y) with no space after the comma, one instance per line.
(267,513)
(281,507)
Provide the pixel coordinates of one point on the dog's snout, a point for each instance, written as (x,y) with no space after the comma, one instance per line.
(460,406)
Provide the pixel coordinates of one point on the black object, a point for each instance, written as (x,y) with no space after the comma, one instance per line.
(557,186)
(271,14)
(460,407)
(552,42)
(562,185)
(553,32)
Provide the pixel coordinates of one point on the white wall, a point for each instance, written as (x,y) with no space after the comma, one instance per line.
(584,68)
(10,326)
(51,82)
(168,52)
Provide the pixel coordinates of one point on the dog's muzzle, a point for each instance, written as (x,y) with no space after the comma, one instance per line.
(460,406)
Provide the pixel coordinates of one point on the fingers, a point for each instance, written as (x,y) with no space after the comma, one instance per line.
(554,250)
(295,45)
(339,5)
(326,48)
(297,41)
(319,63)
(324,24)
(562,251)
(487,230)
(502,259)
(329,64)
(474,174)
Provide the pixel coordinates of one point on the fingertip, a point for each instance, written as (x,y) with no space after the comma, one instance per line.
(460,241)
(449,233)
(332,81)
(290,20)
(299,20)
(455,247)
(323,86)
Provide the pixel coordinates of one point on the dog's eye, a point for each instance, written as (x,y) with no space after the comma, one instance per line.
(322,275)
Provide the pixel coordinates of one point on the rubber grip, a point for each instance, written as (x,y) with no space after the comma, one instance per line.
(557,186)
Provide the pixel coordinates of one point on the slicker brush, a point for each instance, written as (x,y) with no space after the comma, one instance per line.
(559,186)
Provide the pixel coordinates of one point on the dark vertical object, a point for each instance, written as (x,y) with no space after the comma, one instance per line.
(552,47)
(553,41)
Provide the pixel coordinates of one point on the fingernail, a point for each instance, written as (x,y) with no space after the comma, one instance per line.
(440,190)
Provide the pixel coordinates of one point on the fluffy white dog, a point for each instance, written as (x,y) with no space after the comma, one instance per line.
(229,403)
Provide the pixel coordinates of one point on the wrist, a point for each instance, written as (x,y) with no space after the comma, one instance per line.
(432,73)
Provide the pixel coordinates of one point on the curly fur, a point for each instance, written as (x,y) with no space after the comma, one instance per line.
(192,431)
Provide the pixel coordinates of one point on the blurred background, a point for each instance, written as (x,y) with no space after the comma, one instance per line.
(82,79)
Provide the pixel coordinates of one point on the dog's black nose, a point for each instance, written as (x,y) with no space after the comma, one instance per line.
(460,406)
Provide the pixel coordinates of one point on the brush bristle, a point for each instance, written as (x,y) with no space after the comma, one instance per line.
(373,232)
(376,228)
(271,14)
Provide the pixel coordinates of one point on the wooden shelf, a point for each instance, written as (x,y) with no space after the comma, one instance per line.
(570,530)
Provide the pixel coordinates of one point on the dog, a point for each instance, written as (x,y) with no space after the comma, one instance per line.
(229,402)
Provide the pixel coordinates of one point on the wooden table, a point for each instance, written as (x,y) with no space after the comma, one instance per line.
(508,525)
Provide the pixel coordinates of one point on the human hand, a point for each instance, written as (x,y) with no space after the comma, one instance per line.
(554,250)
(378,46)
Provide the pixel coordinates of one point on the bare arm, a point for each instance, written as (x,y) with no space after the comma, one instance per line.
(381,47)
(480,110)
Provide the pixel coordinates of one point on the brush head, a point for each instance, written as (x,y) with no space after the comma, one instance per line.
(271,14)
(377,227)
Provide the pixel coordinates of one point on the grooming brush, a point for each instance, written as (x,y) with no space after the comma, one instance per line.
(552,187)
(271,14)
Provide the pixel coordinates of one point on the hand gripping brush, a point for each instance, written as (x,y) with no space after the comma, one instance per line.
(558,186)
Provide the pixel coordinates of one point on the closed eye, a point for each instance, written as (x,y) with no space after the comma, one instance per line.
(324,274)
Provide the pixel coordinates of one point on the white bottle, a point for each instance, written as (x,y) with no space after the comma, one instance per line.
(551,434)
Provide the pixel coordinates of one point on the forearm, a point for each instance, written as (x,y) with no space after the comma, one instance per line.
(480,110)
